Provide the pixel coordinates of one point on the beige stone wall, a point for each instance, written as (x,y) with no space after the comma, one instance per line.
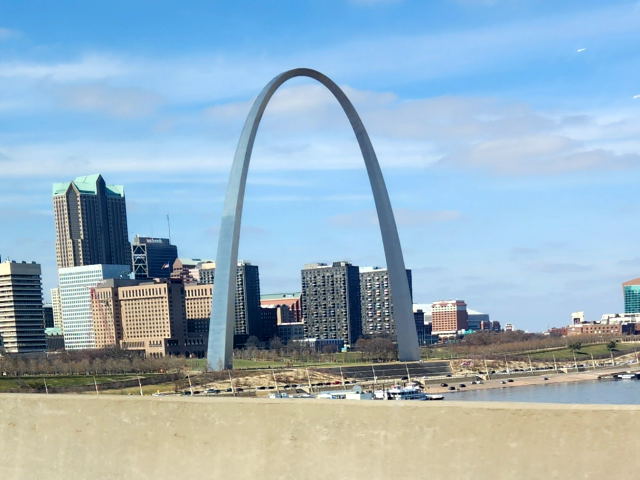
(107,437)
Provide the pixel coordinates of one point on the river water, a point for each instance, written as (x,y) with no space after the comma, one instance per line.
(597,391)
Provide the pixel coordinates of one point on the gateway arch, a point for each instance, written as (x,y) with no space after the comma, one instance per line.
(221,325)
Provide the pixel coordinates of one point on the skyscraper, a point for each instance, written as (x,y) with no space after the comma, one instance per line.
(631,291)
(75,300)
(21,319)
(376,301)
(91,223)
(331,301)
(152,257)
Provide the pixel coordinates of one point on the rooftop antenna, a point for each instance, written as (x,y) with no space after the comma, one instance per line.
(169,227)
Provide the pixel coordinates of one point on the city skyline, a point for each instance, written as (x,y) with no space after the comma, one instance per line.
(510,161)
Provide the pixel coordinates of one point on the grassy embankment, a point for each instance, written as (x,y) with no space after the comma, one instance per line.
(37,382)
(562,353)
(599,351)
(325,360)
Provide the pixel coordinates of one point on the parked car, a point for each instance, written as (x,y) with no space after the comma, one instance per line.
(444,384)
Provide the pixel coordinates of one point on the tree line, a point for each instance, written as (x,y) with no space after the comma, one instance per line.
(88,362)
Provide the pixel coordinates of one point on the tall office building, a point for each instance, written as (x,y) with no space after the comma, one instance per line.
(75,284)
(57,308)
(152,257)
(145,316)
(448,317)
(91,223)
(376,301)
(631,291)
(21,317)
(331,301)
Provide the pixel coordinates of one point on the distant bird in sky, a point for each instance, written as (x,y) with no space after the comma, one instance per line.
(580,50)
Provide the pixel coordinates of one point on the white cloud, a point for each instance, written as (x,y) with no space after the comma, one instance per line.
(506,138)
(404,218)
(116,101)
(92,67)
(7,33)
(305,129)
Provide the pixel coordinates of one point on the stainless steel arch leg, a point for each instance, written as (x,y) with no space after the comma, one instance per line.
(221,326)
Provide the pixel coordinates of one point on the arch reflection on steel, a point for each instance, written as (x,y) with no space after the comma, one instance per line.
(221,326)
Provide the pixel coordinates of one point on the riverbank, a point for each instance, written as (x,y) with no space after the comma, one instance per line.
(545,378)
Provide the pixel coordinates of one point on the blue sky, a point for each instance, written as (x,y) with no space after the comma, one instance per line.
(507,130)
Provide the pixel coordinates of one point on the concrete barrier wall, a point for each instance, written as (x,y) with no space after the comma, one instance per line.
(110,437)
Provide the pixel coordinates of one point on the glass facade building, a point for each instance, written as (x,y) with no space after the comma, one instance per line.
(631,291)
(75,284)
(152,257)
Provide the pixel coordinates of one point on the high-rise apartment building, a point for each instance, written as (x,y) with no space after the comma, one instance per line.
(91,223)
(448,317)
(152,257)
(75,284)
(376,301)
(631,291)
(56,307)
(331,301)
(146,316)
(21,317)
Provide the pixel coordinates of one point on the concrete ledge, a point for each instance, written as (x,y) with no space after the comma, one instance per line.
(110,437)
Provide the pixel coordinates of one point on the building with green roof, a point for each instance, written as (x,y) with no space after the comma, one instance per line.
(91,223)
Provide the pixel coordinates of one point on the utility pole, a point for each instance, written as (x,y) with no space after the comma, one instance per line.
(274,380)
(46,389)
(575,362)
(233,390)
(190,386)
(406,366)
(486,368)
(530,366)
(555,365)
(341,376)
(309,380)
(593,362)
(140,385)
(96,385)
